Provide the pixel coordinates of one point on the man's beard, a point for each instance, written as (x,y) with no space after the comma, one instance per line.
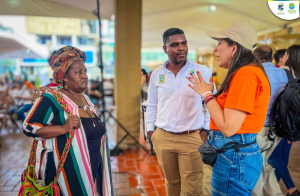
(176,62)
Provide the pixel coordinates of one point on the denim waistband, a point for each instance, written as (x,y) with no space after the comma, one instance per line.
(240,138)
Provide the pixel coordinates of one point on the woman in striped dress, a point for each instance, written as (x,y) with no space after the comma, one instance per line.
(86,171)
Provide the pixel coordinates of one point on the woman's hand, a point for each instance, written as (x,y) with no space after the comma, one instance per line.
(73,122)
(200,86)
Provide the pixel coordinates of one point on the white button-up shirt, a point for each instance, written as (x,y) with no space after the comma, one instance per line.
(172,105)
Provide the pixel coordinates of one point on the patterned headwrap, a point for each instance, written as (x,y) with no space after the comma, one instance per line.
(61,60)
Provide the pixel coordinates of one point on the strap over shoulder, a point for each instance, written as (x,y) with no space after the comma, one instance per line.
(289,75)
(61,101)
(32,160)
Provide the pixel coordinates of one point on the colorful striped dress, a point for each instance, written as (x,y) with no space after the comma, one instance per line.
(76,177)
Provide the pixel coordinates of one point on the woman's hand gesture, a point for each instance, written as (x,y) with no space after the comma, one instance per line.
(73,122)
(199,85)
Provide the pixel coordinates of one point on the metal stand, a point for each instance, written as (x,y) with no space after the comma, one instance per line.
(144,109)
(101,62)
(117,150)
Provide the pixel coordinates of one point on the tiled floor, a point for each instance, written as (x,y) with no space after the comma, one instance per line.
(134,172)
(147,175)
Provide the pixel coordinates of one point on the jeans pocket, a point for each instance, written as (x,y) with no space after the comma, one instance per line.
(228,156)
(250,163)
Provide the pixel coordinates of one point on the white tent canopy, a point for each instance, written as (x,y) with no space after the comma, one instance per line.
(192,16)
(57,8)
(195,18)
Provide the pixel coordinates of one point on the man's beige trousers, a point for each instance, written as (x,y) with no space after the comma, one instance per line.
(181,162)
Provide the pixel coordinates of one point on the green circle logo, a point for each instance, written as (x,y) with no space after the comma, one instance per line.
(285,9)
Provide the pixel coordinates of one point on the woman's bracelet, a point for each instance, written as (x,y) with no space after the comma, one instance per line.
(207,92)
(209,98)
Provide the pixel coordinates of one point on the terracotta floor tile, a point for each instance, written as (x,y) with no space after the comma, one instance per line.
(127,169)
(149,189)
(130,163)
(151,194)
(152,177)
(159,182)
(153,169)
(161,190)
(133,182)
(147,182)
(149,178)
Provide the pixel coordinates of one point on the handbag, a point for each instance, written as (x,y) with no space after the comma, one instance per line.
(209,153)
(30,185)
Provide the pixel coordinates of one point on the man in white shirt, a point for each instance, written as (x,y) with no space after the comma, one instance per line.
(178,115)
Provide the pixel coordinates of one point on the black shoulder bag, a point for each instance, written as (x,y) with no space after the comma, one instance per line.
(209,153)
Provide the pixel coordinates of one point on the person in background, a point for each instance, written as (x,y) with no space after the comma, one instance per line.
(21,95)
(94,93)
(280,156)
(52,85)
(278,57)
(291,60)
(3,87)
(28,84)
(238,110)
(278,79)
(31,77)
(23,110)
(27,107)
(144,77)
(144,84)
(8,82)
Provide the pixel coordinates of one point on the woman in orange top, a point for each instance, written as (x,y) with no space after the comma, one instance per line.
(239,110)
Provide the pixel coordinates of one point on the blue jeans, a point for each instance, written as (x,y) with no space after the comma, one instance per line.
(280,160)
(13,109)
(235,173)
(22,110)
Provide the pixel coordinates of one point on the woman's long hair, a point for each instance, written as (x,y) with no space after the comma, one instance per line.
(294,59)
(241,58)
(145,74)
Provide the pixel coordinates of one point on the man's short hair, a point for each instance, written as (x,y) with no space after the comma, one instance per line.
(279,54)
(263,53)
(170,32)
